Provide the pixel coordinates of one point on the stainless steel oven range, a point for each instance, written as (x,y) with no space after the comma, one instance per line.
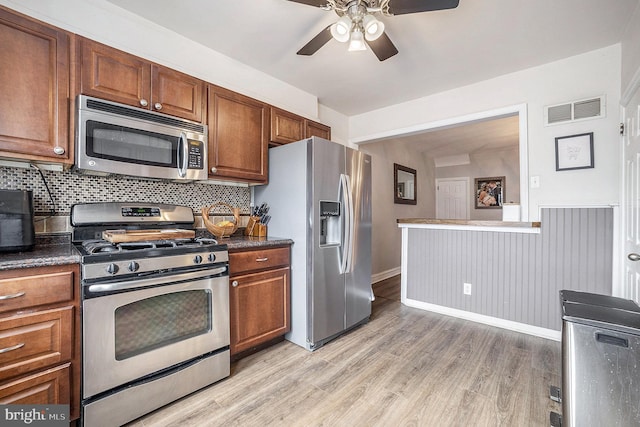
(155,308)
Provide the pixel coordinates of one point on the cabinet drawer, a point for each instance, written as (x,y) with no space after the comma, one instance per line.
(45,287)
(50,387)
(35,341)
(261,259)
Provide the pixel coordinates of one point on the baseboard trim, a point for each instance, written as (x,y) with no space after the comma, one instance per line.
(378,277)
(537,331)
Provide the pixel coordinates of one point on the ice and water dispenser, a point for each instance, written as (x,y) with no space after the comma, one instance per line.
(330,232)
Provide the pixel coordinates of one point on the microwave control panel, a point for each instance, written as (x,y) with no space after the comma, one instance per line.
(196,150)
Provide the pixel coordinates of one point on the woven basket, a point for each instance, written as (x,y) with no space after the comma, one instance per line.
(221,231)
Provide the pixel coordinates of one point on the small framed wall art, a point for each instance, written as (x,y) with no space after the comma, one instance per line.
(574,152)
(489,192)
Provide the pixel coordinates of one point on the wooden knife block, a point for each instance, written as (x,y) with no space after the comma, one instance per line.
(254,228)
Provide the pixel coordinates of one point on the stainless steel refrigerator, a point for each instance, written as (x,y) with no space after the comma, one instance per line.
(319,195)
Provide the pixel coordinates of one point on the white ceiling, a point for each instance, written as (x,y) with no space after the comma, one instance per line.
(442,50)
(483,135)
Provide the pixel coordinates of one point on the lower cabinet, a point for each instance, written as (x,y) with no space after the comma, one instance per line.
(259,298)
(40,337)
(49,387)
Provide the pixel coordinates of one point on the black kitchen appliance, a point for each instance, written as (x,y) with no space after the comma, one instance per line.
(16,221)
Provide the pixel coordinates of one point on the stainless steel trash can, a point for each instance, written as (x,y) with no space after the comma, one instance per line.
(600,360)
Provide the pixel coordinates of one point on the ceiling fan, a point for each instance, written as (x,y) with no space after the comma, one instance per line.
(359,26)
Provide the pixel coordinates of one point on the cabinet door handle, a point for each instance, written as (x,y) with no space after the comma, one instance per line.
(14,347)
(157,106)
(262,259)
(214,170)
(58,150)
(234,283)
(144,102)
(12,296)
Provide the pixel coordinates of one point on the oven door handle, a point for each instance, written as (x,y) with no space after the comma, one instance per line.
(130,285)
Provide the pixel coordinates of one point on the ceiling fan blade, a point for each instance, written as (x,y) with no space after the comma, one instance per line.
(403,7)
(316,3)
(382,47)
(317,42)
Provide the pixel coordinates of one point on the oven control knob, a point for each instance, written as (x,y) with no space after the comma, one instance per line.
(212,257)
(197,259)
(112,268)
(133,266)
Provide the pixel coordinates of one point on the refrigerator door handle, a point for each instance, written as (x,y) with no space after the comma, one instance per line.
(347,255)
(352,224)
(344,249)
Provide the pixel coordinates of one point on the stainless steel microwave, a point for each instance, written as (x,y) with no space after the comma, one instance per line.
(113,138)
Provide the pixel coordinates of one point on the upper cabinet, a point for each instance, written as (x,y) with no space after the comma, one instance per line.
(317,129)
(287,127)
(238,136)
(34,90)
(117,76)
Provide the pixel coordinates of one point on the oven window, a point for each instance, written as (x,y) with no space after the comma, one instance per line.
(120,143)
(162,320)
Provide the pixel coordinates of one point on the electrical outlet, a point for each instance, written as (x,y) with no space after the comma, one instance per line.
(467,288)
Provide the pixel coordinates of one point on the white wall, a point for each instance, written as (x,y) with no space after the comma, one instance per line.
(386,235)
(591,74)
(104,22)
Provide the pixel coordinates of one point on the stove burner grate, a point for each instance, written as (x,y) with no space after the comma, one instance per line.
(103,246)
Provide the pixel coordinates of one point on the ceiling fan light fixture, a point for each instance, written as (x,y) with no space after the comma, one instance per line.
(372,27)
(356,42)
(340,30)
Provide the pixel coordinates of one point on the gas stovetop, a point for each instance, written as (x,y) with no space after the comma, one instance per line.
(93,247)
(104,259)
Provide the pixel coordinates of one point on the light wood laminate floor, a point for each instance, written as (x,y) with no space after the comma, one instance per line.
(406,367)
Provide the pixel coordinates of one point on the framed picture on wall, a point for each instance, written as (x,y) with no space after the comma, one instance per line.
(489,192)
(574,152)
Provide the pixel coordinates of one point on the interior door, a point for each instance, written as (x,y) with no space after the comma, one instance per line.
(452,198)
(631,209)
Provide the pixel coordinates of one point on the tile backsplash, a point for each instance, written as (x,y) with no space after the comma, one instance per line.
(68,188)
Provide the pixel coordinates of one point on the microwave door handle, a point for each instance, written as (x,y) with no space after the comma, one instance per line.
(183,155)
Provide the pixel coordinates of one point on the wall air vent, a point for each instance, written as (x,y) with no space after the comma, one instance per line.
(574,111)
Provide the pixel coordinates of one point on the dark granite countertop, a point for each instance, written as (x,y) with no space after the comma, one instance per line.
(49,250)
(58,250)
(238,243)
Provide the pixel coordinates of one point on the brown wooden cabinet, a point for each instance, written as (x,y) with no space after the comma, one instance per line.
(117,76)
(34,90)
(40,336)
(259,297)
(238,136)
(287,127)
(317,129)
